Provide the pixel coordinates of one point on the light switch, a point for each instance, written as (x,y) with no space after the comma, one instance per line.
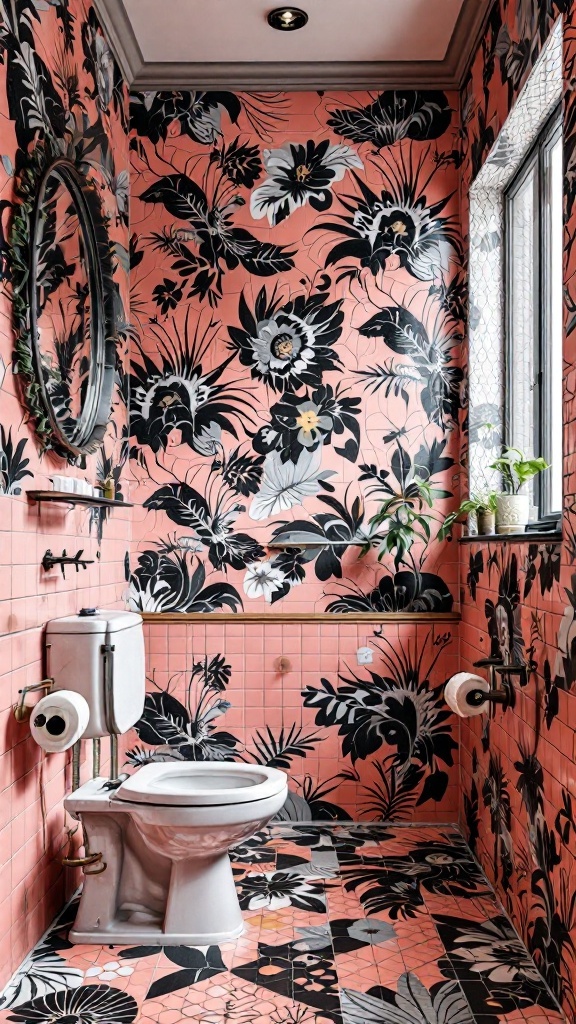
(364,655)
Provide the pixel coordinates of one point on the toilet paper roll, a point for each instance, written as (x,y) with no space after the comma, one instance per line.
(59,720)
(456,692)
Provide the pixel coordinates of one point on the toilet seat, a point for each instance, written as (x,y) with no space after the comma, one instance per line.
(201,784)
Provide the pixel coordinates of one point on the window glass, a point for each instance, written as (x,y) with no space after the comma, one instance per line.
(553,339)
(522,290)
(534,313)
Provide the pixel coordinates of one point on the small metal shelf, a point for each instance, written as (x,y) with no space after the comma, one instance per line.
(69,498)
(290,544)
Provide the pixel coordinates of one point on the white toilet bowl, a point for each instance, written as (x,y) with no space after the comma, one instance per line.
(187,815)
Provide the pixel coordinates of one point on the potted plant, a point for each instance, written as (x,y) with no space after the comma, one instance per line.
(483,506)
(512,507)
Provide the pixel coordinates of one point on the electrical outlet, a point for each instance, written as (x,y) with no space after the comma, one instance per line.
(364,655)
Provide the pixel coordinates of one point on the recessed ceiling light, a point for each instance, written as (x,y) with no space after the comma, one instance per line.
(287,19)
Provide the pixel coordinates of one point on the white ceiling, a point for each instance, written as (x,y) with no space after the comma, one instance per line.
(347,44)
(184,31)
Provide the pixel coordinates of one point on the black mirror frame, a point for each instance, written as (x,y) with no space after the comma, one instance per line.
(30,190)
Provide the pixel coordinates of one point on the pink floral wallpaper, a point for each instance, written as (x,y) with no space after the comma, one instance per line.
(298,298)
(517,767)
(298,295)
(59,86)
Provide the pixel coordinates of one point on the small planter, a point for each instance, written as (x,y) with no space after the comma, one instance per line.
(512,513)
(486,522)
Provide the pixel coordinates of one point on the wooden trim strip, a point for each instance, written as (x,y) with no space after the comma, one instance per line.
(215,618)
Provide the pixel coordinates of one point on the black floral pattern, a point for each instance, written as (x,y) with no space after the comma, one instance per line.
(281,889)
(413,1003)
(397,222)
(398,885)
(399,710)
(170,580)
(394,116)
(175,393)
(13,465)
(211,528)
(504,616)
(288,345)
(195,965)
(220,245)
(304,422)
(432,363)
(491,951)
(300,174)
(298,954)
(406,590)
(89,1004)
(188,733)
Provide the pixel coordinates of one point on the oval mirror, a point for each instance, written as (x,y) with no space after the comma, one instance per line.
(72,340)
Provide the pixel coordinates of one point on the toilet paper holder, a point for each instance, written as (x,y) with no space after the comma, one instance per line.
(505,694)
(22,710)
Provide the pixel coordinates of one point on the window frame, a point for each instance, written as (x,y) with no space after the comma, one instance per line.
(535,159)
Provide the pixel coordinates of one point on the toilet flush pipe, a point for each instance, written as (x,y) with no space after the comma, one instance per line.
(96,757)
(76,766)
(113,757)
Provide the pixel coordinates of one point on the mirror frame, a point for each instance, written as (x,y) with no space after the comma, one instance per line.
(26,229)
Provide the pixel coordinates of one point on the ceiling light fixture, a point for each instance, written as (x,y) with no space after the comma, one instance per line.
(287,19)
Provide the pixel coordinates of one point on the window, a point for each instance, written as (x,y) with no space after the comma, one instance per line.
(534,227)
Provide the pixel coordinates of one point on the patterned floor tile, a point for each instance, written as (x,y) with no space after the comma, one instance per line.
(344,923)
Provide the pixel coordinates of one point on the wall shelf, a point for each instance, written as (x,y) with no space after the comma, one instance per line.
(553,537)
(69,498)
(289,545)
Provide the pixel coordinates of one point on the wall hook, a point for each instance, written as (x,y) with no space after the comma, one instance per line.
(50,560)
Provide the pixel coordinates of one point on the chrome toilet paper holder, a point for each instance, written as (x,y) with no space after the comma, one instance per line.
(505,695)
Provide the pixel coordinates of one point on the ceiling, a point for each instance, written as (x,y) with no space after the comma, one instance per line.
(346,43)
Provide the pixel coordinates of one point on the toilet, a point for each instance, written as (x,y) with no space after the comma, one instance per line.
(157,841)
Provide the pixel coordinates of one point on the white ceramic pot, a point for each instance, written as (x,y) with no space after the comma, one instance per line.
(486,522)
(512,513)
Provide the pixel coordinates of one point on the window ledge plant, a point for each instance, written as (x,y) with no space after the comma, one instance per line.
(513,504)
(482,506)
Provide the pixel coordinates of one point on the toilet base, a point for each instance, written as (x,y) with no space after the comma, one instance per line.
(122,933)
(167,877)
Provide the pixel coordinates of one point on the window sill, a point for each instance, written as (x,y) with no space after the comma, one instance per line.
(552,537)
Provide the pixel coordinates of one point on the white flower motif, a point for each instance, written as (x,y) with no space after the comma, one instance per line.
(120,187)
(283,340)
(44,971)
(300,174)
(285,484)
(108,972)
(151,597)
(104,70)
(372,930)
(262,579)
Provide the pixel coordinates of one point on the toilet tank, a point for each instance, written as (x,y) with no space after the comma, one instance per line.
(99,653)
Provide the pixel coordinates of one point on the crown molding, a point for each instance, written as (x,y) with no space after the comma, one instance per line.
(121,36)
(275,76)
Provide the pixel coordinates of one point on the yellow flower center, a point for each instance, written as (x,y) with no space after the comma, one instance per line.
(168,400)
(308,421)
(302,172)
(283,346)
